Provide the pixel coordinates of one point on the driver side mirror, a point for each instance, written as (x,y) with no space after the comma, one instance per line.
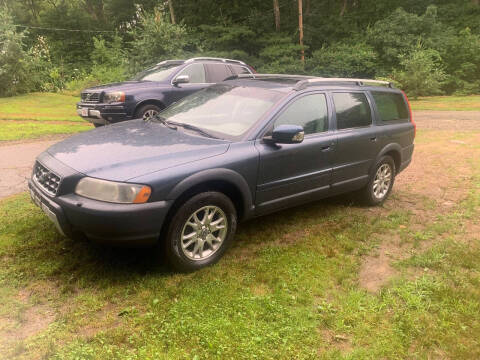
(181,79)
(287,134)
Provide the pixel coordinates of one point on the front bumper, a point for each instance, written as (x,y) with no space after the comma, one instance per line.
(103,113)
(107,223)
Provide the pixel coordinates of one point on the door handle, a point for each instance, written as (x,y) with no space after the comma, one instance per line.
(325,148)
(373,139)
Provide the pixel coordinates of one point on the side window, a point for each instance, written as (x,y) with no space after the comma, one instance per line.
(217,72)
(391,106)
(352,110)
(238,69)
(309,111)
(196,72)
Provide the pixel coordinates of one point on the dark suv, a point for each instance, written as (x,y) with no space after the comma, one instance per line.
(238,149)
(154,89)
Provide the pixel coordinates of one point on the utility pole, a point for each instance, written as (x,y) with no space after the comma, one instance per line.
(172,14)
(300,27)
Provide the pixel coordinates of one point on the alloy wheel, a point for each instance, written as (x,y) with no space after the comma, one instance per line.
(382,181)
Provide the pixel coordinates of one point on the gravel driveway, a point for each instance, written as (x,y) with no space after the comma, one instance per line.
(17,158)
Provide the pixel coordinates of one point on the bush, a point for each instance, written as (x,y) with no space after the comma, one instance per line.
(155,39)
(421,73)
(343,59)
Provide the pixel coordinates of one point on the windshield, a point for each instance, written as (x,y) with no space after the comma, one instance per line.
(223,109)
(157,73)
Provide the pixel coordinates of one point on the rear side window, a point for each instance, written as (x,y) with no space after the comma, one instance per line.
(217,72)
(237,69)
(309,111)
(390,106)
(352,110)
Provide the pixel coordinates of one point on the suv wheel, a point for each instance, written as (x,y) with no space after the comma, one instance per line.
(381,183)
(147,111)
(201,231)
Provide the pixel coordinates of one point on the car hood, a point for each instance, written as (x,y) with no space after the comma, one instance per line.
(126,85)
(133,148)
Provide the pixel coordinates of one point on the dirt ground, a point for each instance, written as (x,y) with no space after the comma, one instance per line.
(17,157)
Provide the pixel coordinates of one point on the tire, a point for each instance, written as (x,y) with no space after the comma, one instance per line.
(147,111)
(381,182)
(97,125)
(187,255)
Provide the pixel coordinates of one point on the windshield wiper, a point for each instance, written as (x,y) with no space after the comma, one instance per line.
(162,120)
(196,129)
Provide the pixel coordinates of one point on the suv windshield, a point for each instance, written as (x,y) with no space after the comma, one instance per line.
(157,73)
(223,109)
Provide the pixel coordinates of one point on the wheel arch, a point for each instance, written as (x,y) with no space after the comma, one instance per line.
(394,151)
(156,102)
(226,181)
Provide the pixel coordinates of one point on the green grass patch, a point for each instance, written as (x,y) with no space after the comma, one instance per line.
(447,103)
(40,106)
(18,130)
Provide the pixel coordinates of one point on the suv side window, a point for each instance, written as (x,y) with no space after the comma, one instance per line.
(352,110)
(238,69)
(309,111)
(196,73)
(217,72)
(390,106)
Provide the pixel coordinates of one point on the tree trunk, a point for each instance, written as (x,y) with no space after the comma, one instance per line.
(172,14)
(300,28)
(276,12)
(344,7)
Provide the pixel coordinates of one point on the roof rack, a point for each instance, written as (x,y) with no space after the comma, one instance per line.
(170,62)
(317,80)
(269,76)
(215,59)
(305,81)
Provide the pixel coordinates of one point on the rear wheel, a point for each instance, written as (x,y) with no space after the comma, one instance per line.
(381,183)
(201,231)
(147,112)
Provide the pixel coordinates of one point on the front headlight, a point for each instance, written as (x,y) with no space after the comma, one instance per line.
(110,191)
(117,96)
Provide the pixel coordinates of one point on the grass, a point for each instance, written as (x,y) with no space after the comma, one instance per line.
(17,130)
(287,289)
(447,103)
(39,114)
(40,106)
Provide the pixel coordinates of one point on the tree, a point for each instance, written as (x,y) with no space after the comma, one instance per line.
(14,60)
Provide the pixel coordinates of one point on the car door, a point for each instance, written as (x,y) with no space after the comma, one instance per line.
(198,80)
(289,174)
(357,138)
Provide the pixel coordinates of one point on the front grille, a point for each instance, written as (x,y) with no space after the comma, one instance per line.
(48,180)
(90,97)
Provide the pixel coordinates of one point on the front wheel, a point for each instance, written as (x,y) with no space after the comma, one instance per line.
(201,231)
(147,112)
(381,183)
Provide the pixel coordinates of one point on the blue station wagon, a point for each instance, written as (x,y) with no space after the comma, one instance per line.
(238,149)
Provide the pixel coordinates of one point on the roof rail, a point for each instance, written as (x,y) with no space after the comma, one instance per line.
(205,58)
(318,80)
(269,76)
(170,61)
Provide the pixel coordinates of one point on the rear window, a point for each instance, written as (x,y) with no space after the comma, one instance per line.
(391,106)
(352,110)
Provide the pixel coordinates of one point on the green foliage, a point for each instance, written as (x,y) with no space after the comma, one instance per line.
(344,60)
(421,72)
(155,39)
(14,60)
(280,55)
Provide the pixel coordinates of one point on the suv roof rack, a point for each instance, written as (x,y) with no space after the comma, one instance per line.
(170,62)
(206,58)
(304,81)
(318,80)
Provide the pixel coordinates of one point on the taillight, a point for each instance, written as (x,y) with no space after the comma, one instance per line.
(254,71)
(411,115)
